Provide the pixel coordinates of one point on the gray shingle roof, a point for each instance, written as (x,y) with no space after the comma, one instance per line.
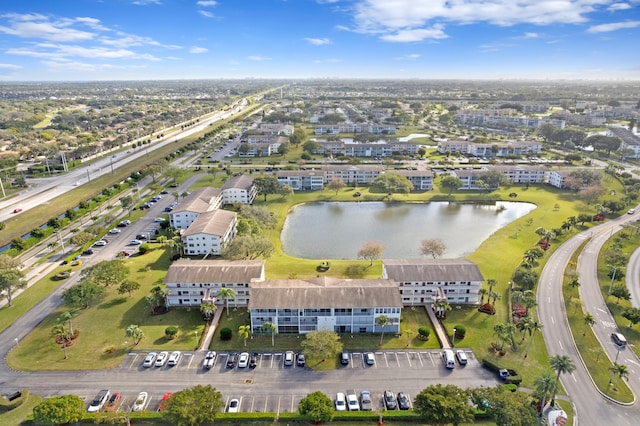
(198,201)
(431,270)
(214,271)
(324,292)
(214,222)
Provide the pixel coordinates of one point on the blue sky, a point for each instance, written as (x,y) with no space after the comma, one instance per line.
(80,40)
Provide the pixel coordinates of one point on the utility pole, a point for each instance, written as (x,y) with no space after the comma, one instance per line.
(88,177)
(2,186)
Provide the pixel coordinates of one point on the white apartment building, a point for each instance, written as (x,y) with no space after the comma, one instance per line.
(193,205)
(239,189)
(209,233)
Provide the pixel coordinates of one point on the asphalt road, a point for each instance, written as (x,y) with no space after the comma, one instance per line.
(592,407)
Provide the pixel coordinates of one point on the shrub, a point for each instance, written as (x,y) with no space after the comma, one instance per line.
(225,333)
(144,248)
(171,332)
(424,333)
(461,331)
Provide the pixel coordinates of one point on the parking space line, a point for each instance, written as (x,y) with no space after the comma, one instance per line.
(278,409)
(135,358)
(292,402)
(408,358)
(397,359)
(266,400)
(385,359)
(351,362)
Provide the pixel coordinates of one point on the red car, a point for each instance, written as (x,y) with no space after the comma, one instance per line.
(164,398)
(113,401)
(17,210)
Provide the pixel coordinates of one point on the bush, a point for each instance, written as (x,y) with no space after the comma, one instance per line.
(171,332)
(144,248)
(226,333)
(461,331)
(424,333)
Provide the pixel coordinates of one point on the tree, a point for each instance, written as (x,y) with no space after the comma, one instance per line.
(107,273)
(81,295)
(589,321)
(322,343)
(248,247)
(127,203)
(298,136)
(81,238)
(392,183)
(174,173)
(525,278)
(533,327)
(208,310)
(443,404)
(506,408)
(370,251)
(317,406)
(592,193)
(225,294)
(135,333)
(158,298)
(561,364)
(450,183)
(193,406)
(284,148)
(382,321)
(482,292)
(336,185)
(620,370)
(632,314)
(574,283)
(266,185)
(433,247)
(286,191)
(67,316)
(546,131)
(545,385)
(244,331)
(527,298)
(11,280)
(493,179)
(59,410)
(128,286)
(272,328)
(310,146)
(620,292)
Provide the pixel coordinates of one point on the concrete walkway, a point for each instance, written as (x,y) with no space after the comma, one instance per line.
(439,329)
(205,342)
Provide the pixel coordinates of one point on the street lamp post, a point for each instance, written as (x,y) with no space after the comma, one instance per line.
(614,364)
(196,332)
(453,341)
(613,277)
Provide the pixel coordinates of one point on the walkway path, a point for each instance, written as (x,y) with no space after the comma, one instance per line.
(438,328)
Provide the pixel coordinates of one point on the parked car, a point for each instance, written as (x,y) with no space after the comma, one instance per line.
(209,360)
(232,360)
(164,192)
(161,359)
(403,401)
(390,400)
(234,406)
(17,210)
(352,402)
(87,252)
(340,402)
(164,398)
(149,359)
(141,237)
(619,339)
(370,358)
(174,358)
(100,243)
(114,231)
(631,211)
(98,401)
(344,358)
(135,242)
(159,219)
(301,361)
(140,402)
(288,358)
(112,404)
(365,400)
(243,361)
(462,357)
(253,361)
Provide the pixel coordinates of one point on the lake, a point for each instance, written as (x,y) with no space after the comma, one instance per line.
(337,230)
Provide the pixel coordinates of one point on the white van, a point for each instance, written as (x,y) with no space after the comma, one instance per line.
(448,358)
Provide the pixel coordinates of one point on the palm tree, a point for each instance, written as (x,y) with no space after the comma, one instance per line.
(482,292)
(589,321)
(134,332)
(499,330)
(226,293)
(621,370)
(525,326)
(244,331)
(208,310)
(561,364)
(496,296)
(61,332)
(442,306)
(382,321)
(67,316)
(272,327)
(491,283)
(535,326)
(545,385)
(574,283)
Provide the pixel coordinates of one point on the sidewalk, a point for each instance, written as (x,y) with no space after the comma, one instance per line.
(205,342)
(438,328)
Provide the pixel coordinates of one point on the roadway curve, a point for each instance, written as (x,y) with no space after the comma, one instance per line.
(589,402)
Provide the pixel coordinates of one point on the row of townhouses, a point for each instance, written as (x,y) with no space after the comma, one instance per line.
(490,150)
(630,146)
(372,150)
(324,303)
(488,118)
(336,129)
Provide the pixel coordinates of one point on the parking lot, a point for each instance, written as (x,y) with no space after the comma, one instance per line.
(273,387)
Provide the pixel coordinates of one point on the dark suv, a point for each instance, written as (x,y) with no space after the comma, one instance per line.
(232,360)
(390,400)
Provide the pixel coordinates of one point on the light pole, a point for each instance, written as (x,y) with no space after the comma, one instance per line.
(196,332)
(613,277)
(453,340)
(614,365)
(17,342)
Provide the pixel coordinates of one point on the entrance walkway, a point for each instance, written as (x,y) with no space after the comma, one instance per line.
(438,328)
(205,342)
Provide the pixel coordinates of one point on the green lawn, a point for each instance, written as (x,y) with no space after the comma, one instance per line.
(18,415)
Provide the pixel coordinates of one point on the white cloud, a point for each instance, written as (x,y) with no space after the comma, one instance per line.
(410,56)
(327,61)
(64,52)
(258,58)
(619,6)
(196,49)
(206,13)
(405,36)
(531,35)
(39,26)
(207,3)
(318,41)
(10,66)
(146,2)
(613,26)
(412,20)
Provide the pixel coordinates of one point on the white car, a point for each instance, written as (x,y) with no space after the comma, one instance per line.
(140,402)
(234,406)
(340,402)
(243,361)
(352,402)
(174,358)
(209,360)
(114,231)
(135,242)
(161,359)
(100,243)
(149,359)
(159,219)
(98,402)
